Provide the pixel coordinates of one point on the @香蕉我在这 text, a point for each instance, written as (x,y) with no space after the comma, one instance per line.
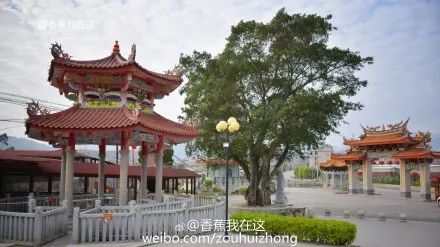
(246,231)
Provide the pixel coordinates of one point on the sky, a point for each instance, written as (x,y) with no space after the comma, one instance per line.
(402,36)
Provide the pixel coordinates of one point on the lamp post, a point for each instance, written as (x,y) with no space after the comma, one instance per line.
(229,127)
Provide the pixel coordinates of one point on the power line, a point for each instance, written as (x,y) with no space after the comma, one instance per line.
(32,98)
(12,120)
(22,102)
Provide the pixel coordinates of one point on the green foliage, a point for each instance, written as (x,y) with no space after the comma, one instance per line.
(207,183)
(242,190)
(393,180)
(329,232)
(286,87)
(387,180)
(168,157)
(217,190)
(304,172)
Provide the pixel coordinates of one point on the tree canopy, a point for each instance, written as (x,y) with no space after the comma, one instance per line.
(287,88)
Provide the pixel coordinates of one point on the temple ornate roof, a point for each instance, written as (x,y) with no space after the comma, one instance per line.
(392,134)
(417,154)
(350,156)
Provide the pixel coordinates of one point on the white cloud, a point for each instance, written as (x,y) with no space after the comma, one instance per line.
(403,37)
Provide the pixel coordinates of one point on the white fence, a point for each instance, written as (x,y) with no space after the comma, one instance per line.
(128,223)
(23,203)
(37,227)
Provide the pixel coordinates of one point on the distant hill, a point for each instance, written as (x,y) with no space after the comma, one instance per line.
(23,143)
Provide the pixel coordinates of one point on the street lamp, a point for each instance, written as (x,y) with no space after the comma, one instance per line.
(229,127)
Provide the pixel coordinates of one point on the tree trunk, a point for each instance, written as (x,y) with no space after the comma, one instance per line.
(253,186)
(265,180)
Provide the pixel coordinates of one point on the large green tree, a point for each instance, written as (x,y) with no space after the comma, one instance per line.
(284,84)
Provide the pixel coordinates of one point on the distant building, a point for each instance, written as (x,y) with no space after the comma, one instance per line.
(216,170)
(320,155)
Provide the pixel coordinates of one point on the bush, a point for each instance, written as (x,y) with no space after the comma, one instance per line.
(242,190)
(304,172)
(217,190)
(207,183)
(332,232)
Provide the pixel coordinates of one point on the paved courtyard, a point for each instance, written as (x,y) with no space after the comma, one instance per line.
(387,201)
(422,228)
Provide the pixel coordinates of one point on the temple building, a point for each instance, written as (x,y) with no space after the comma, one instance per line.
(391,145)
(114,99)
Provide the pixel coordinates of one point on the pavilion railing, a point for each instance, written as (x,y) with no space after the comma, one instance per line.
(132,222)
(36,227)
(22,203)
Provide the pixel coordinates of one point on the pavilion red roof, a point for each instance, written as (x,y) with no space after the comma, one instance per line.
(333,165)
(115,60)
(350,156)
(79,118)
(114,64)
(417,154)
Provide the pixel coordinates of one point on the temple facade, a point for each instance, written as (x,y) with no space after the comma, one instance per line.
(114,99)
(392,145)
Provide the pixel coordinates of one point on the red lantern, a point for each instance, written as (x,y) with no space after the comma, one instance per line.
(390,162)
(397,162)
(381,162)
(133,147)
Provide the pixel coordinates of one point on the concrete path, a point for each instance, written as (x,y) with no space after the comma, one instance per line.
(387,201)
(421,230)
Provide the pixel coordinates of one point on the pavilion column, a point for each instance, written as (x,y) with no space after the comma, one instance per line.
(405,182)
(159,170)
(333,180)
(123,171)
(425,181)
(352,179)
(144,174)
(68,191)
(367,178)
(101,170)
(63,174)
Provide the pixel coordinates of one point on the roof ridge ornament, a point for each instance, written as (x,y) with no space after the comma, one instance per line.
(132,56)
(57,51)
(116,47)
(398,128)
(33,109)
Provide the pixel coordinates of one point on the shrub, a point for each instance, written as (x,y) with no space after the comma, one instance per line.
(304,172)
(217,190)
(332,232)
(242,190)
(207,183)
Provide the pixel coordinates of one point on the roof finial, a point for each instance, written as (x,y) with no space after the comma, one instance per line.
(116,47)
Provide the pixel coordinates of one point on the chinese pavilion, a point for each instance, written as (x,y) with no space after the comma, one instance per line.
(386,145)
(114,105)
